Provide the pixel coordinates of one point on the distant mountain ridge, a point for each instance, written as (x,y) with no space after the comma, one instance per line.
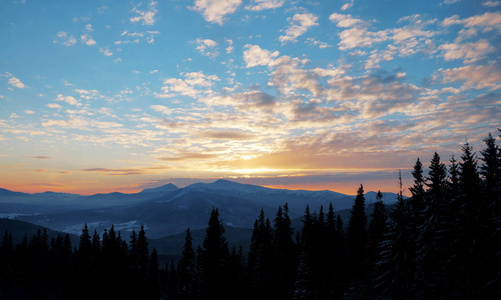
(169,210)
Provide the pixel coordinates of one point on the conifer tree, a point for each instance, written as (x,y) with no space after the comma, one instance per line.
(357,236)
(284,254)
(153,289)
(186,269)
(398,264)
(261,261)
(215,254)
(470,232)
(378,231)
(435,240)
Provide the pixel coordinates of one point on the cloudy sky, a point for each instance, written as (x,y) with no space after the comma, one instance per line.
(101,96)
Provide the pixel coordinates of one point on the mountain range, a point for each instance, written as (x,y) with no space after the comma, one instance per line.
(167,211)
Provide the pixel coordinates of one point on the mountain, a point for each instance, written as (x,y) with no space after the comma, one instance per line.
(19,229)
(14,204)
(178,208)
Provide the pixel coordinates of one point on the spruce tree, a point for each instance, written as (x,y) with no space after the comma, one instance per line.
(471,234)
(214,260)
(357,236)
(398,266)
(186,269)
(261,261)
(435,240)
(378,231)
(284,252)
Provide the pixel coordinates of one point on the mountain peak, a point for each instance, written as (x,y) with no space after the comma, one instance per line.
(164,188)
(225,182)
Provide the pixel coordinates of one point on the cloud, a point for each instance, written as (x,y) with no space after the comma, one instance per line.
(226,135)
(189,86)
(256,56)
(474,77)
(347,5)
(87,40)
(117,172)
(207,47)
(487,21)
(229,49)
(68,99)
(299,24)
(258,5)
(78,122)
(106,51)
(162,109)
(491,3)
(345,21)
(315,42)
(214,11)
(54,105)
(65,39)
(470,52)
(39,157)
(147,17)
(189,156)
(29,112)
(15,82)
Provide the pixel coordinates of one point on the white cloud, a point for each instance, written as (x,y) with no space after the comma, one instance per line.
(147,17)
(315,42)
(29,112)
(164,110)
(299,24)
(487,21)
(470,52)
(15,82)
(258,5)
(345,20)
(65,39)
(255,56)
(88,27)
(87,40)
(491,3)
(474,77)
(190,86)
(347,5)
(214,11)
(229,49)
(207,47)
(68,99)
(106,51)
(54,105)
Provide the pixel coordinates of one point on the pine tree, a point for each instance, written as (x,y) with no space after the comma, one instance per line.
(305,282)
(398,265)
(214,260)
(261,261)
(186,269)
(153,289)
(491,173)
(470,232)
(378,231)
(435,239)
(284,254)
(357,236)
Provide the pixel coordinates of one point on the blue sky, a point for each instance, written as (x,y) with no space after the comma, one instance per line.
(99,96)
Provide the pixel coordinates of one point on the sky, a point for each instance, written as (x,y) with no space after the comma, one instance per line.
(100,96)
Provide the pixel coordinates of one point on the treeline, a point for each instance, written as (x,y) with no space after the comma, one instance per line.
(103,267)
(444,242)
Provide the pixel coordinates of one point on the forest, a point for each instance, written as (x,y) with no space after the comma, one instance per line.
(443,242)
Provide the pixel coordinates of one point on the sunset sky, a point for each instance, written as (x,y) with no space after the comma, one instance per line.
(102,96)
